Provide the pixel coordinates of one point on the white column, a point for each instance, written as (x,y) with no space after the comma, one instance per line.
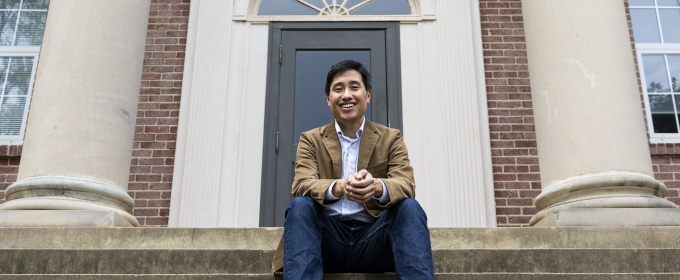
(80,130)
(592,145)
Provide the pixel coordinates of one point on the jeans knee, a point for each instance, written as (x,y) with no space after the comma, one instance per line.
(301,205)
(410,206)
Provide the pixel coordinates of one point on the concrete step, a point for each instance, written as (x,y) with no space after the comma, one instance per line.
(189,261)
(500,253)
(268,238)
(440,276)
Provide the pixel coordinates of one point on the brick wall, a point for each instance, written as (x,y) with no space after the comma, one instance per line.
(513,141)
(9,166)
(10,156)
(665,157)
(158,112)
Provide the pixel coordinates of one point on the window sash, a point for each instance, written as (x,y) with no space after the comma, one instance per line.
(18,139)
(26,36)
(645,50)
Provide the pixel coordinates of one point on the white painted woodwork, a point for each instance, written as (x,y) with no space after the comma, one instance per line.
(445,117)
(483,111)
(217,177)
(220,135)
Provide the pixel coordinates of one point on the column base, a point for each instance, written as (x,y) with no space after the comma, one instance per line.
(64,204)
(611,217)
(61,218)
(68,192)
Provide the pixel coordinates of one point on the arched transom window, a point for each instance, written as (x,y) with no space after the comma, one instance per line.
(334,7)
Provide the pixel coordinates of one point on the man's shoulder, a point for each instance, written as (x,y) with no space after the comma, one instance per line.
(384,130)
(317,132)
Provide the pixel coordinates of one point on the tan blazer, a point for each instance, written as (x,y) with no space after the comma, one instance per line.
(382,152)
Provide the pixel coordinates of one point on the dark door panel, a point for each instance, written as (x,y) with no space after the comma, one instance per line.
(311,108)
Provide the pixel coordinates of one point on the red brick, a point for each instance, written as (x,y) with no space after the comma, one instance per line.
(520,202)
(147,194)
(157,221)
(145,212)
(508,87)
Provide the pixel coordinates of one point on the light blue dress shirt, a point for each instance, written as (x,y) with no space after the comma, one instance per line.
(346,209)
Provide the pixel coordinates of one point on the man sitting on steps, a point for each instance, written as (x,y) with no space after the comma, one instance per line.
(353,210)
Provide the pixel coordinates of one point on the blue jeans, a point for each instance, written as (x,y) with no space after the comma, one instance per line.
(315,243)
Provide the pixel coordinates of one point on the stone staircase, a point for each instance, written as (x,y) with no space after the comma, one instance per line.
(246,253)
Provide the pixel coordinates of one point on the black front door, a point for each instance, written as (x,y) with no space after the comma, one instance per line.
(300,56)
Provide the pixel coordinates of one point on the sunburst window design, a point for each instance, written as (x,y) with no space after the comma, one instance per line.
(334,8)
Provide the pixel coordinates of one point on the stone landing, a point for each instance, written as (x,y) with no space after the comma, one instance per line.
(241,253)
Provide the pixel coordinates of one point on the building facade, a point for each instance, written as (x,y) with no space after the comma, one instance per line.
(456,82)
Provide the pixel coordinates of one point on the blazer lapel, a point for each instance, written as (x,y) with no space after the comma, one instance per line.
(368,141)
(332,143)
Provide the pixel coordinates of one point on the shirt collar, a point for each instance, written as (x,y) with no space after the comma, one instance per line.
(359,132)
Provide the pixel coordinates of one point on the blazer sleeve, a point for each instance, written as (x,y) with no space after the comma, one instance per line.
(307,181)
(400,183)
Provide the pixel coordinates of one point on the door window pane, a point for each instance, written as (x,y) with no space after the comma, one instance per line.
(311,108)
(645,26)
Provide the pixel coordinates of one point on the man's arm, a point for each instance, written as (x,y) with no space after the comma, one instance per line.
(307,182)
(399,183)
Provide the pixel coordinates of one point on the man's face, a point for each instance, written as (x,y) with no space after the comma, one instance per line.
(348,98)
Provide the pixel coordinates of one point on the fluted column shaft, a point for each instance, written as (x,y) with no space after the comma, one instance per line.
(80,130)
(592,145)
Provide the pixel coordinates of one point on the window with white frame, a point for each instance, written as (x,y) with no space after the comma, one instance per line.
(22,23)
(656,28)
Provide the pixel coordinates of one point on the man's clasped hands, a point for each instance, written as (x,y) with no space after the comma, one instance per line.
(358,187)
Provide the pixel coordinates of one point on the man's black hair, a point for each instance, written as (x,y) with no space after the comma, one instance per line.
(344,66)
